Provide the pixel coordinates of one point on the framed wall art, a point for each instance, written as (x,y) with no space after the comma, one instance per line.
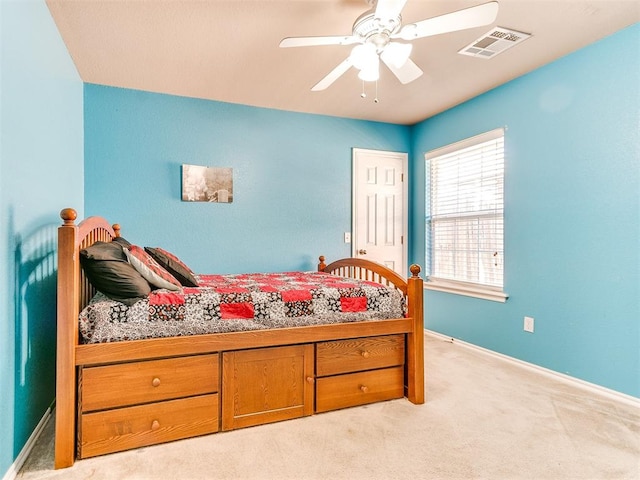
(207,184)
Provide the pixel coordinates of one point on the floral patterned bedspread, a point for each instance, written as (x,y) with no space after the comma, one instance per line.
(226,303)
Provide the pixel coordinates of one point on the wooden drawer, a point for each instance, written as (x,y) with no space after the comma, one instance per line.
(359,388)
(358,354)
(145,382)
(132,427)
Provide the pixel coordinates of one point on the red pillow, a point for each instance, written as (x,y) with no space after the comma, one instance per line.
(150,269)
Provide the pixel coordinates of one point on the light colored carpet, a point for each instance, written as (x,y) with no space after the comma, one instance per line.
(484,418)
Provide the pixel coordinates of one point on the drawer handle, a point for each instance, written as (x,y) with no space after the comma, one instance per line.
(155,382)
(365,354)
(311,380)
(155,425)
(364,388)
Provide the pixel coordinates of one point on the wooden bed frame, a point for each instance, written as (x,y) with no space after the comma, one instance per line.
(117,396)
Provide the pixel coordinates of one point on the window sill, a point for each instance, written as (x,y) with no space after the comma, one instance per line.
(467,289)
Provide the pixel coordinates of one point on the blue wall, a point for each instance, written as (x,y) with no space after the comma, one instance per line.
(572,215)
(292,177)
(41,171)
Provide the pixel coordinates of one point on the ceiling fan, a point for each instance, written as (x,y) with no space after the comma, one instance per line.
(377,31)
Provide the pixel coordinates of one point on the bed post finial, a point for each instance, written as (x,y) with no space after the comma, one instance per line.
(321,265)
(116,229)
(415,270)
(68,215)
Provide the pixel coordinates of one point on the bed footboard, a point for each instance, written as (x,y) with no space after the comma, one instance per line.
(412,288)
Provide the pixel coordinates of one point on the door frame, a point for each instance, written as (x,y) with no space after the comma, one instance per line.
(405,200)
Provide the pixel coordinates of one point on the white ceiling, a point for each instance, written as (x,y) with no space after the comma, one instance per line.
(228,50)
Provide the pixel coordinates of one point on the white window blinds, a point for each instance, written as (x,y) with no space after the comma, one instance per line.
(465,210)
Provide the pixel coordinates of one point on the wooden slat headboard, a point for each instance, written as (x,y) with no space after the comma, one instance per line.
(74,293)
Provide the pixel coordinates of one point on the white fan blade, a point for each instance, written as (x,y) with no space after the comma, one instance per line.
(407,73)
(314,41)
(389,9)
(462,19)
(333,76)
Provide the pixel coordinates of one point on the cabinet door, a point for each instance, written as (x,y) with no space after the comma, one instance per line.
(266,385)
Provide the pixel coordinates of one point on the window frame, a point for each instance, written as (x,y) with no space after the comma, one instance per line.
(459,287)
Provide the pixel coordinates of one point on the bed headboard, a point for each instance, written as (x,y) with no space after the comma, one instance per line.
(71,239)
(74,293)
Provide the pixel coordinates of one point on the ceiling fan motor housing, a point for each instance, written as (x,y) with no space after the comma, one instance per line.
(370,29)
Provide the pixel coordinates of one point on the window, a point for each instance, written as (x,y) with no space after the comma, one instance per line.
(465,217)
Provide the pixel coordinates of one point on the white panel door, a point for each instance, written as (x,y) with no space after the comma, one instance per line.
(380,208)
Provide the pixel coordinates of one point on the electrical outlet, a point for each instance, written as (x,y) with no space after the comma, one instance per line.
(347,237)
(528,324)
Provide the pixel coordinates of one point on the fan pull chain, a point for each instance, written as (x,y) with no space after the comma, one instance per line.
(364,94)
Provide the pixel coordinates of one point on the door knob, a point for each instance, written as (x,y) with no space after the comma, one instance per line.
(362,251)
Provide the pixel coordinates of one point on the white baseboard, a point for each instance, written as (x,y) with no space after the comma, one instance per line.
(14,469)
(592,387)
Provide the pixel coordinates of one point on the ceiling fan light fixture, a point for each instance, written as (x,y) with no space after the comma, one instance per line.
(363,56)
(369,74)
(371,71)
(396,53)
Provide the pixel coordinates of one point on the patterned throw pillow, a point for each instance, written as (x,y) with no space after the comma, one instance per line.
(173,265)
(150,269)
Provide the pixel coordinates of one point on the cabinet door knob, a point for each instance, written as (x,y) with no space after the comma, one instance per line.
(365,354)
(362,251)
(155,382)
(311,380)
(364,388)
(155,425)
